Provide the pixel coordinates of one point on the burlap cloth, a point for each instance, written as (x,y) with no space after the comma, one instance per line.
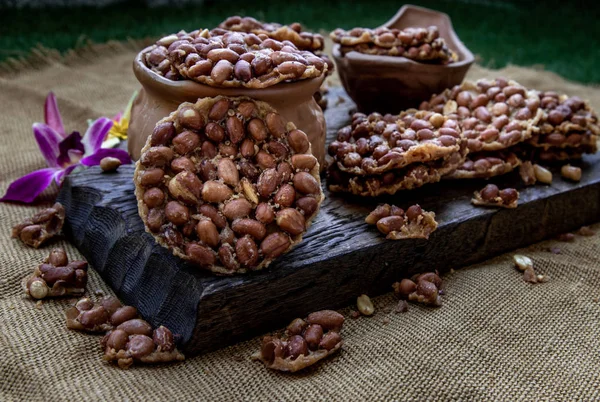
(496,337)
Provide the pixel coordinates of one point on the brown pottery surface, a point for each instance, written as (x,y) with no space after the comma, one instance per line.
(160,96)
(389,84)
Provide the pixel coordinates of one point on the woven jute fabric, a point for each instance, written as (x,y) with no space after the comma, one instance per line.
(495,338)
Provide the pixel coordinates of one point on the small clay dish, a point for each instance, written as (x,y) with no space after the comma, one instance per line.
(160,96)
(390,84)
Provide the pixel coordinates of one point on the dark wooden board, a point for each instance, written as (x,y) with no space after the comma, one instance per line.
(339,258)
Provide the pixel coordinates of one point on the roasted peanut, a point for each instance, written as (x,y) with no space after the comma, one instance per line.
(327,319)
(275,244)
(136,326)
(199,254)
(291,221)
(330,340)
(123,314)
(571,172)
(365,305)
(296,327)
(246,251)
(305,183)
(542,174)
(250,227)
(163,338)
(214,191)
(140,346)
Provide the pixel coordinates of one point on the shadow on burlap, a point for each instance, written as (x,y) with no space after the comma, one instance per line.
(496,337)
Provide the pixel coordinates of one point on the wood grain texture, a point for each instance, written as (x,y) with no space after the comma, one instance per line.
(339,258)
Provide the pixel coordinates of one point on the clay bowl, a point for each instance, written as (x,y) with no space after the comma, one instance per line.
(389,84)
(160,96)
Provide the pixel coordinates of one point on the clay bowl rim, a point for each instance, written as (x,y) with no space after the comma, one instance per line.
(354,57)
(146,76)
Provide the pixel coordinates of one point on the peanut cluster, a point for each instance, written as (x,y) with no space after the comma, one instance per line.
(423,288)
(397,224)
(294,33)
(232,59)
(56,276)
(418,44)
(492,196)
(303,343)
(128,338)
(227,184)
(382,154)
(41,227)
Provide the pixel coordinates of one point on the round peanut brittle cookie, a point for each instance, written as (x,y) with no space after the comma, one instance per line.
(372,145)
(294,33)
(493,115)
(484,165)
(567,122)
(240,59)
(412,176)
(227,184)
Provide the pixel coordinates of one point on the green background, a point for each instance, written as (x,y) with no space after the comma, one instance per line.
(561,36)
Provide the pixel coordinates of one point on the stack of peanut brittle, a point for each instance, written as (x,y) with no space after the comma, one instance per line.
(383,154)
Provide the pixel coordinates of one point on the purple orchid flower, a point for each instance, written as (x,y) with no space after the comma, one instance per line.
(62,152)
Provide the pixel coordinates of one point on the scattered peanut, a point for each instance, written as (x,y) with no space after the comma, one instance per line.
(571,172)
(522,262)
(365,305)
(542,174)
(109,164)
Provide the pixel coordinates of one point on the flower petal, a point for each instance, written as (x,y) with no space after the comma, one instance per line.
(66,148)
(48,140)
(60,174)
(95,134)
(52,115)
(28,187)
(95,159)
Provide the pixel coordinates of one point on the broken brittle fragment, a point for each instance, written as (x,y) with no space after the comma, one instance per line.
(303,343)
(135,341)
(423,288)
(492,196)
(397,224)
(99,317)
(56,276)
(41,227)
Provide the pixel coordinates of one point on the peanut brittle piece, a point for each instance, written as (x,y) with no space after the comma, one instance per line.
(98,317)
(56,277)
(227,184)
(483,165)
(396,224)
(303,343)
(41,227)
(376,146)
(423,288)
(135,341)
(412,176)
(493,115)
(567,122)
(492,196)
